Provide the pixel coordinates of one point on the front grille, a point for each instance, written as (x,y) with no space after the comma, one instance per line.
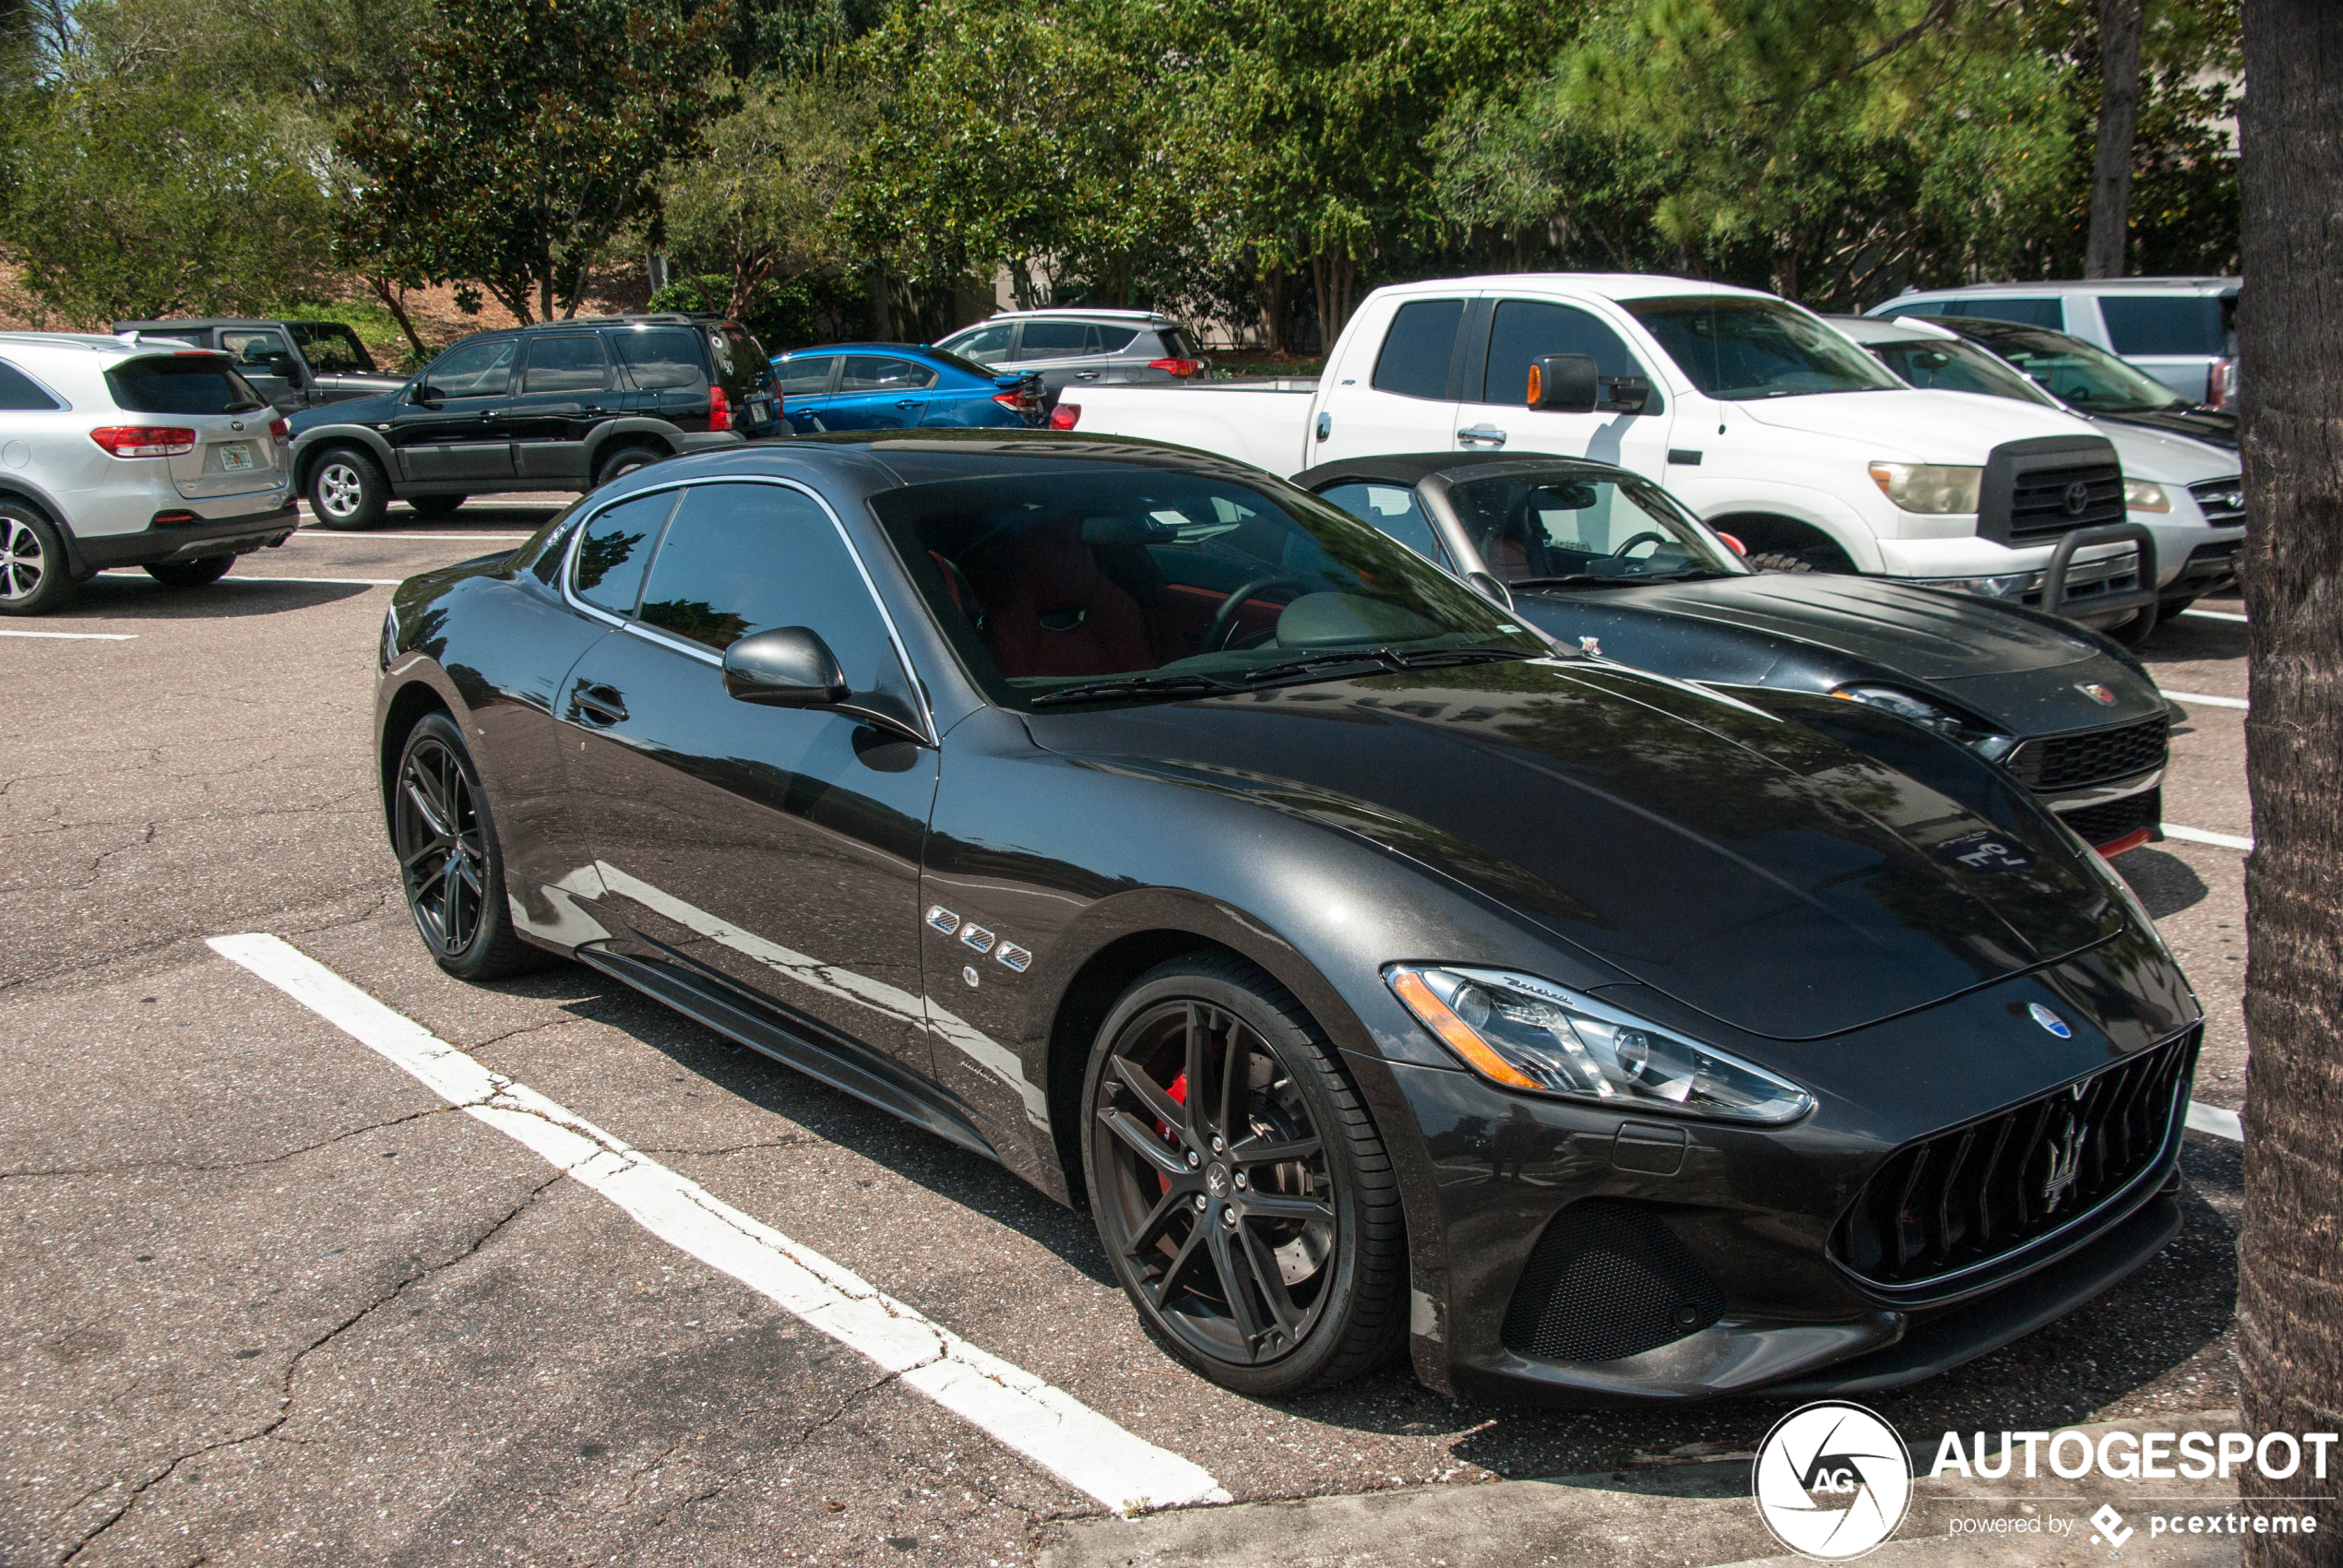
(2069,762)
(1607,1280)
(2117,819)
(2043,501)
(2221,500)
(1965,1197)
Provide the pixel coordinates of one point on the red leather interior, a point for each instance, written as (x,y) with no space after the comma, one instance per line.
(1054,613)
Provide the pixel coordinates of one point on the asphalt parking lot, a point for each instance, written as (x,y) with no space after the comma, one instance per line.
(271,1298)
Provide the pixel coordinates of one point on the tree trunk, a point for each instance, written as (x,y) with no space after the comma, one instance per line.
(2119,118)
(392,297)
(2289,1330)
(882,305)
(1269,292)
(1333,272)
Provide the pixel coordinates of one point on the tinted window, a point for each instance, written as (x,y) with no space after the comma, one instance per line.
(877,372)
(1055,339)
(568,362)
(474,370)
(1393,509)
(332,347)
(18,390)
(2081,373)
(745,362)
(1414,361)
(1111,340)
(1528,526)
(253,348)
(1175,343)
(1954,367)
(985,343)
(662,358)
(2185,324)
(616,547)
(1737,348)
(197,384)
(744,558)
(1525,329)
(2050,312)
(805,377)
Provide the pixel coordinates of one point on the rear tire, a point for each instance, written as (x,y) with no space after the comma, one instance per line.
(450,865)
(1253,1219)
(34,579)
(348,490)
(624,461)
(436,506)
(190,573)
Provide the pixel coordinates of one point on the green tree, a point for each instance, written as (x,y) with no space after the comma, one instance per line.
(536,131)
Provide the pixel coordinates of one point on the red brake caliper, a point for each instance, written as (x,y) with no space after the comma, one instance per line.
(1179,1094)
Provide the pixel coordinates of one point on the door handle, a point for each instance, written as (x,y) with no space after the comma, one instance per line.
(906,402)
(1488,432)
(1086,376)
(601,704)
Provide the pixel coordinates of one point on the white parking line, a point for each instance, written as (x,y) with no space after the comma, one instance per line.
(2215,615)
(337,582)
(2199,836)
(79,637)
(1051,1427)
(2207,700)
(2214,1120)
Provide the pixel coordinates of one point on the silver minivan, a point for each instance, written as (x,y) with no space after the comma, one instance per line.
(2182,331)
(1076,347)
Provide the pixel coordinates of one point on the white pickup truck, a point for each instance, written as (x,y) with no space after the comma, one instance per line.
(1773,427)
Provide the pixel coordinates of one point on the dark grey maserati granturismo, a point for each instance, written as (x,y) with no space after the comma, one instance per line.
(1375,970)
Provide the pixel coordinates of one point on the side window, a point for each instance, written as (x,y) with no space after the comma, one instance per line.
(2163,324)
(805,377)
(20,391)
(1523,330)
(662,358)
(473,370)
(1054,341)
(1111,340)
(984,345)
(1393,509)
(744,558)
(2050,312)
(253,347)
(565,362)
(1416,351)
(616,547)
(874,373)
(332,348)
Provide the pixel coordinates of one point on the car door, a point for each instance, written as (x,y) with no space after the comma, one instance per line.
(265,358)
(1396,385)
(880,392)
(456,425)
(1057,350)
(1504,340)
(566,391)
(778,847)
(808,383)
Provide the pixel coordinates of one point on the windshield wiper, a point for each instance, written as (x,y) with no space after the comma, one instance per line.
(1388,658)
(1135,686)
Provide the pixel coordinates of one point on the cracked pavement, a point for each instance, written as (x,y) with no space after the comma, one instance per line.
(267,1299)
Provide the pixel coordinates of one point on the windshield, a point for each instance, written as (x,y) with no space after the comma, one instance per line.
(332,348)
(1066,577)
(2081,374)
(1740,348)
(1564,528)
(1957,367)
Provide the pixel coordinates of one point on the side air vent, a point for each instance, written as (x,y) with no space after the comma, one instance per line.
(1608,1280)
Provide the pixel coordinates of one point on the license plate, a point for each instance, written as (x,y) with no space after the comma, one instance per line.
(759,410)
(235,456)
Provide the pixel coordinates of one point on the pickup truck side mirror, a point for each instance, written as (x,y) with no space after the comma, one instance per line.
(787,666)
(1564,383)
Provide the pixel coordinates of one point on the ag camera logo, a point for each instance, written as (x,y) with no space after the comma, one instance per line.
(1832,1480)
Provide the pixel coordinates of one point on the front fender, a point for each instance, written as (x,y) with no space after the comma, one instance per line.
(312,444)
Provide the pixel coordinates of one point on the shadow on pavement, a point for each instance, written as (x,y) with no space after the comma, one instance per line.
(143,599)
(2166,884)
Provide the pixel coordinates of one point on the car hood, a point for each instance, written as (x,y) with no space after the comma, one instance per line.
(2166,457)
(381,407)
(2213,429)
(1748,866)
(1913,424)
(1882,625)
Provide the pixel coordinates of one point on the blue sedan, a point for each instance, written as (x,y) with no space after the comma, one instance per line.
(897,386)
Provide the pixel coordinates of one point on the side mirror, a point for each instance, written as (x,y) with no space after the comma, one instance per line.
(1564,383)
(1489,587)
(424,395)
(787,666)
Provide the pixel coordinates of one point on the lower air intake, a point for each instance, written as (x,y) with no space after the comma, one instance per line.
(1608,1280)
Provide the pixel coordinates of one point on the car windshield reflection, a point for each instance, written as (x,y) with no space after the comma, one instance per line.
(1561,529)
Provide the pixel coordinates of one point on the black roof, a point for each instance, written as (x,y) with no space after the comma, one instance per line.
(178,322)
(1411,468)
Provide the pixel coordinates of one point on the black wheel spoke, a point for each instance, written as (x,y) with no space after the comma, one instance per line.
(1165,1109)
(1168,1281)
(1276,1205)
(1265,1151)
(1168,1208)
(438,843)
(1234,1057)
(1271,1280)
(1195,1044)
(1149,1147)
(423,790)
(1229,1262)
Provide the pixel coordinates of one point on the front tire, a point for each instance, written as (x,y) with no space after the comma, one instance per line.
(1242,1194)
(348,490)
(34,579)
(190,573)
(450,865)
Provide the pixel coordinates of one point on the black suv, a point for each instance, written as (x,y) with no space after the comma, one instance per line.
(294,364)
(567,405)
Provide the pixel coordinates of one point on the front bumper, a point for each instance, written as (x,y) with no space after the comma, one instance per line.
(1711,1244)
(204,537)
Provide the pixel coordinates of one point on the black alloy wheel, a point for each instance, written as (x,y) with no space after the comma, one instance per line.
(450,864)
(33,578)
(1246,1203)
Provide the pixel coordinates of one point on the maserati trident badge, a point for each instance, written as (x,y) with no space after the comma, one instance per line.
(2065,1161)
(2050,1020)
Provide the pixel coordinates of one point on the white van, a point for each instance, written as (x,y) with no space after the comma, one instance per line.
(1769,424)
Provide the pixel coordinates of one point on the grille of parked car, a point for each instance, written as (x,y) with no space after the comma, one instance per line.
(2223,500)
(2112,820)
(1958,1199)
(2047,503)
(1608,1280)
(2067,762)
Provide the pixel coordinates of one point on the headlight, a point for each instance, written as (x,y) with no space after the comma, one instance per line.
(1985,741)
(1526,1033)
(1928,487)
(389,649)
(2141,496)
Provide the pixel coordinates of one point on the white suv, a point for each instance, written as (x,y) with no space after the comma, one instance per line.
(118,452)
